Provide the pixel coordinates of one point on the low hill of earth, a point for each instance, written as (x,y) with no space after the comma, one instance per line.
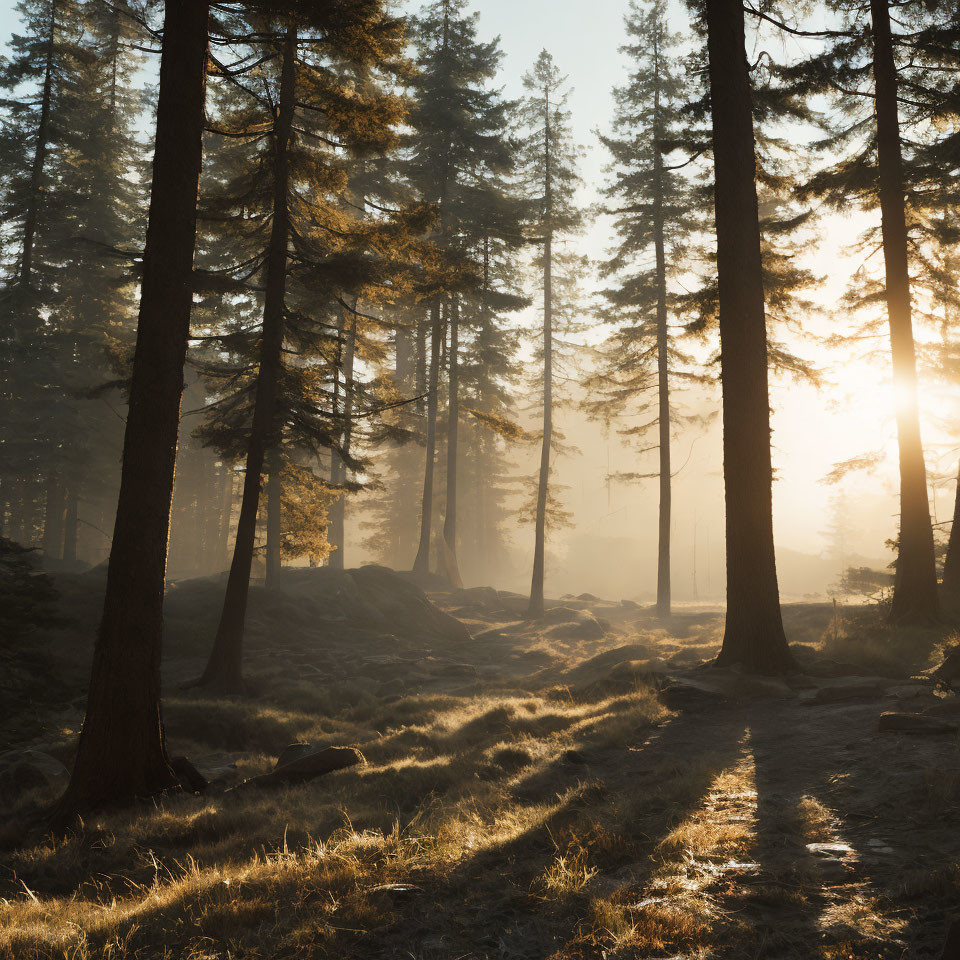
(423,772)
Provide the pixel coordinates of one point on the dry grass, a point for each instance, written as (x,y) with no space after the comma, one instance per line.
(549,809)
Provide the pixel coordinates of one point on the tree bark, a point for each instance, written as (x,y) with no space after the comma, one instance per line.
(274,521)
(663,361)
(71,521)
(450,563)
(535,607)
(121,753)
(951,565)
(224,671)
(338,467)
(422,562)
(915,586)
(54,509)
(753,634)
(35,197)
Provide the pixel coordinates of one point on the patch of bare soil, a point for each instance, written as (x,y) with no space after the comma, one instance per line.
(582,786)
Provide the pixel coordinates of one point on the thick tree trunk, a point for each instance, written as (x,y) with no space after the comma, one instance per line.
(663,371)
(915,587)
(274,521)
(753,634)
(535,607)
(121,753)
(951,565)
(422,562)
(224,670)
(35,196)
(450,563)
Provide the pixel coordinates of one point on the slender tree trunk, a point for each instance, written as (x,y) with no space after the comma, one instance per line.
(535,607)
(53,515)
(663,367)
(951,565)
(422,562)
(350,349)
(420,372)
(225,518)
(915,587)
(274,521)
(338,468)
(224,670)
(121,753)
(450,563)
(753,634)
(35,196)
(71,521)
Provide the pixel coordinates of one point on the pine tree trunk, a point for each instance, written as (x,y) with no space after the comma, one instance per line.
(536,608)
(753,635)
(338,470)
(225,518)
(350,349)
(71,521)
(121,753)
(663,370)
(421,365)
(274,520)
(35,195)
(53,515)
(450,563)
(951,565)
(422,562)
(915,587)
(224,670)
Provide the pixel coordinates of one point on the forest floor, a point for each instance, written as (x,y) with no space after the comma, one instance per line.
(581,787)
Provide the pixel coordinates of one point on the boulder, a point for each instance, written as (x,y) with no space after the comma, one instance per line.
(918,723)
(477,597)
(23,770)
(307,765)
(951,947)
(845,688)
(191,779)
(391,688)
(723,684)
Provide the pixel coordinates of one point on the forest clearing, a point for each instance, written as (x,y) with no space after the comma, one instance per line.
(528,792)
(479,481)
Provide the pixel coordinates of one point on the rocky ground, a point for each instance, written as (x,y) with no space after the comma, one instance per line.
(582,786)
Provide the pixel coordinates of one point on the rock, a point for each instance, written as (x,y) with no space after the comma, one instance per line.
(575,756)
(718,683)
(477,596)
(907,691)
(26,769)
(572,624)
(294,751)
(949,670)
(308,766)
(951,947)
(391,688)
(191,779)
(845,688)
(919,723)
(587,596)
(630,605)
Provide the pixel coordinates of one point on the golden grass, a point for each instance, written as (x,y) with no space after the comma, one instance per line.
(531,818)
